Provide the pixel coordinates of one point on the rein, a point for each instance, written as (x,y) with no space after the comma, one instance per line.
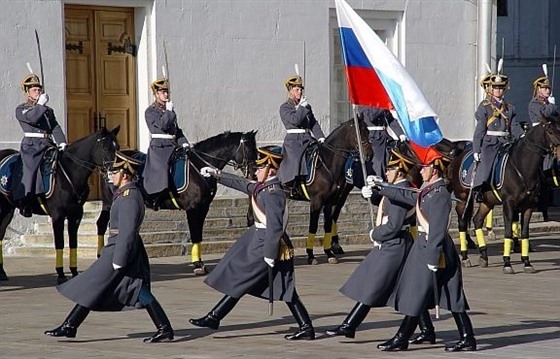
(231,162)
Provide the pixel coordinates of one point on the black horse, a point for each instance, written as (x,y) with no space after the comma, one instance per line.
(237,149)
(522,180)
(71,190)
(329,183)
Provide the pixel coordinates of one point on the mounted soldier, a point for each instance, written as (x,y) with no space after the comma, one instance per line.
(542,103)
(166,137)
(41,132)
(496,120)
(301,128)
(383,129)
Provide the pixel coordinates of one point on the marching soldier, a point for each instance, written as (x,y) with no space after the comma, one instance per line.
(120,278)
(41,132)
(166,136)
(300,123)
(263,249)
(496,120)
(374,279)
(380,123)
(432,259)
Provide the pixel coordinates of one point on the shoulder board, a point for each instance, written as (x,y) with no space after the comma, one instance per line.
(486,102)
(126,192)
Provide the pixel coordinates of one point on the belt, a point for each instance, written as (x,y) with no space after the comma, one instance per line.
(406,227)
(376,128)
(498,133)
(260,225)
(297,130)
(113,231)
(37,135)
(422,229)
(163,135)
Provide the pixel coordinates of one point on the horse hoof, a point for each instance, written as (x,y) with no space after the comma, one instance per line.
(483,262)
(466,263)
(508,270)
(332,260)
(491,236)
(529,270)
(312,261)
(337,249)
(199,268)
(61,280)
(3,276)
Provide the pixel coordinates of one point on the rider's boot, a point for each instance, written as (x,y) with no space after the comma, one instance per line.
(25,206)
(212,319)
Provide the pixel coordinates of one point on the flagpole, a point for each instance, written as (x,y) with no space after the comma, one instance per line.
(362,161)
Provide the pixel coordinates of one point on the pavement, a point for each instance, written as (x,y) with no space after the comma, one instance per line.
(515,316)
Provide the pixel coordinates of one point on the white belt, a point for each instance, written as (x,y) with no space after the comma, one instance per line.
(163,135)
(536,124)
(297,130)
(376,128)
(498,133)
(36,135)
(260,225)
(421,229)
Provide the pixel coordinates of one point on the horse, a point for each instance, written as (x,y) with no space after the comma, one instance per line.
(522,179)
(236,149)
(70,190)
(326,184)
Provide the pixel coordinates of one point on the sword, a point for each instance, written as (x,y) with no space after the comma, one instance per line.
(553,68)
(40,59)
(166,72)
(436,294)
(471,185)
(270,290)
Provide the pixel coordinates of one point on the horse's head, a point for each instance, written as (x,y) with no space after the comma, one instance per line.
(549,136)
(246,154)
(103,153)
(345,138)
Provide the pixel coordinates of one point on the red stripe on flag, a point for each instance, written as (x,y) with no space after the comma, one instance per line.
(366,89)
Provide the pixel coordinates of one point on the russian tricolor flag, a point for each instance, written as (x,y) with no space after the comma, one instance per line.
(377,78)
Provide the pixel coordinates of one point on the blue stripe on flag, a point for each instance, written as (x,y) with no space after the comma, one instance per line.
(353,53)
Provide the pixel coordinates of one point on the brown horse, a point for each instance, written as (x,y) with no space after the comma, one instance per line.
(522,180)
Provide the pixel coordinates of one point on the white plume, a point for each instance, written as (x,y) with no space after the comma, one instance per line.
(545,70)
(296,67)
(29,68)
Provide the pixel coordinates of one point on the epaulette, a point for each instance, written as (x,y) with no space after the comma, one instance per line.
(486,102)
(126,192)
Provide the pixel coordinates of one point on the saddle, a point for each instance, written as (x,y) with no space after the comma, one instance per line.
(11,174)
(498,168)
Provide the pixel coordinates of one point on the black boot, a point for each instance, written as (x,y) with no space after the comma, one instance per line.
(25,207)
(352,321)
(70,326)
(478,194)
(427,333)
(464,325)
(400,340)
(164,329)
(306,331)
(212,319)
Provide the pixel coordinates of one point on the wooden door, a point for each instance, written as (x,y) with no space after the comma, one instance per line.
(100,74)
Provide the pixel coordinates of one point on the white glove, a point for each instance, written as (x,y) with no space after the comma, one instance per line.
(432,267)
(551,100)
(169,105)
(116,266)
(321,140)
(373,181)
(269,261)
(303,102)
(402,138)
(476,156)
(367,192)
(375,243)
(62,146)
(186,145)
(43,99)
(209,171)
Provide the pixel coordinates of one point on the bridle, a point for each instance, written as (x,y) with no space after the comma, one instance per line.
(245,165)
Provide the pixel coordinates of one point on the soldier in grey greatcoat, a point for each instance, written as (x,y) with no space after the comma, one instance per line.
(41,132)
(166,137)
(495,122)
(373,281)
(432,259)
(297,116)
(120,278)
(380,124)
(263,249)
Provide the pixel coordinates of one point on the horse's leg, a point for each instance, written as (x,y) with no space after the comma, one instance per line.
(58,231)
(464,213)
(6,216)
(478,220)
(327,239)
(509,212)
(525,248)
(195,218)
(314,213)
(102,224)
(74,220)
(515,231)
(490,226)
(335,245)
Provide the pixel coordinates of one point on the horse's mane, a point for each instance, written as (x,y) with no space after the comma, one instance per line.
(217,141)
(339,128)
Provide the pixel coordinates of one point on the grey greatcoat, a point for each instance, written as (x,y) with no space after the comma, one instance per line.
(293,149)
(373,281)
(38,119)
(414,291)
(378,120)
(495,122)
(243,270)
(539,107)
(156,170)
(101,287)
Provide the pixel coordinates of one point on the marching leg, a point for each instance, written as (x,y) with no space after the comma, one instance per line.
(306,330)
(70,325)
(352,321)
(164,329)
(464,325)
(427,333)
(400,340)
(212,319)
